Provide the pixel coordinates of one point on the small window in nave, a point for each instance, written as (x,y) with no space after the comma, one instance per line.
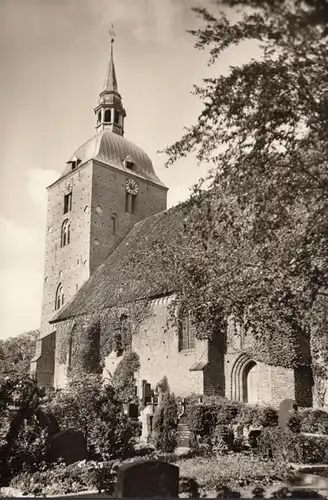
(186,333)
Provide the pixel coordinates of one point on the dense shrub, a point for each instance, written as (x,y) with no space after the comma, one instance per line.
(30,448)
(124,378)
(90,406)
(258,416)
(287,446)
(23,441)
(314,421)
(222,440)
(294,422)
(166,423)
(61,479)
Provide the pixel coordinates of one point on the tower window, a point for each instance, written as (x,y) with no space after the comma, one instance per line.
(134,203)
(65,233)
(107,116)
(99,117)
(67,203)
(186,333)
(116,116)
(130,203)
(114,223)
(59,301)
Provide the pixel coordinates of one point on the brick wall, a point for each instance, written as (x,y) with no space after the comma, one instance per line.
(68,265)
(156,343)
(98,194)
(108,200)
(43,362)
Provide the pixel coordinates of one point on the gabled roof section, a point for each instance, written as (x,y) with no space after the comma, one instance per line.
(135,269)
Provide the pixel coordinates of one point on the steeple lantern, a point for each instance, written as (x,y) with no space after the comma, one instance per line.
(110,113)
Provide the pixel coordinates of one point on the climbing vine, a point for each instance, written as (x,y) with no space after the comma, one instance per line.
(123,379)
(85,342)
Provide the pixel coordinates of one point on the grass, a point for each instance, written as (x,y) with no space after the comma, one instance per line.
(235,471)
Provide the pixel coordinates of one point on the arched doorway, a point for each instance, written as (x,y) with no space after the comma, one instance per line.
(244,380)
(250,383)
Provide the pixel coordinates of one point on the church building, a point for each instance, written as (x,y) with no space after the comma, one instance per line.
(105,211)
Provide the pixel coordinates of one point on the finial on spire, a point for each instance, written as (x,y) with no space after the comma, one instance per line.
(112,33)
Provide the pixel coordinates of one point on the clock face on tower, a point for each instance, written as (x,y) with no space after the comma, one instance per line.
(131,187)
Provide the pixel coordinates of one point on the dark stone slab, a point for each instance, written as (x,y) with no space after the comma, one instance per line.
(286,408)
(68,445)
(184,434)
(147,478)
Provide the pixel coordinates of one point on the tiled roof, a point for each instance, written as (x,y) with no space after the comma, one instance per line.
(135,269)
(112,149)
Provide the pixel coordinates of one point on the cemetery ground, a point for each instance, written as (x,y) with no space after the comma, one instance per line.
(80,441)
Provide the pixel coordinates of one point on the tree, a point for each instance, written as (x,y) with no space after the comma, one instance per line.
(123,379)
(258,249)
(92,407)
(166,422)
(16,353)
(23,438)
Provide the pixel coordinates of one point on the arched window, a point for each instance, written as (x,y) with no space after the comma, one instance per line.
(65,233)
(59,301)
(107,116)
(99,117)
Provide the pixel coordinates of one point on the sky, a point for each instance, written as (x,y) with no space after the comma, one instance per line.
(53,59)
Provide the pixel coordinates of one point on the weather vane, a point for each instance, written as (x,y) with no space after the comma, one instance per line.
(112,33)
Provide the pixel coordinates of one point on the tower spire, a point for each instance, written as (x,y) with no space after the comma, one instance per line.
(110,112)
(111,80)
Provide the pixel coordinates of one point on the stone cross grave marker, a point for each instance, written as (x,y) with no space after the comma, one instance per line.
(68,445)
(286,407)
(147,478)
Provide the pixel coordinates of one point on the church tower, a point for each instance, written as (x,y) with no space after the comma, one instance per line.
(108,185)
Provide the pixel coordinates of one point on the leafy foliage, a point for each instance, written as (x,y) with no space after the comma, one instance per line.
(91,406)
(16,354)
(258,222)
(314,421)
(123,379)
(62,479)
(166,423)
(92,337)
(23,440)
(286,446)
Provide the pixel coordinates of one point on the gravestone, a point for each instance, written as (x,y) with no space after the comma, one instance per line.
(147,478)
(68,445)
(184,434)
(286,407)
